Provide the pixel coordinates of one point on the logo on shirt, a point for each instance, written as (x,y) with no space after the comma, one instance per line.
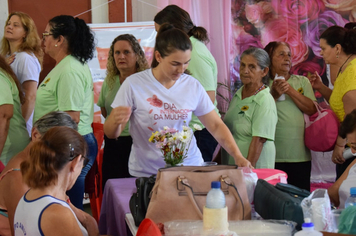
(165,111)
(301,90)
(45,83)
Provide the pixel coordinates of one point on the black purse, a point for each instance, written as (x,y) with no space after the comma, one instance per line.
(139,201)
(280,202)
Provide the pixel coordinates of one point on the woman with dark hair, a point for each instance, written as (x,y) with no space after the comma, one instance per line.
(54,164)
(202,66)
(69,86)
(292,156)
(165,96)
(13,133)
(21,46)
(338,49)
(252,113)
(340,190)
(125,58)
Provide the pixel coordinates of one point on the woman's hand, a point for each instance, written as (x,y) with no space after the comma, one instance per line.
(337,156)
(279,87)
(121,115)
(10,59)
(242,162)
(315,81)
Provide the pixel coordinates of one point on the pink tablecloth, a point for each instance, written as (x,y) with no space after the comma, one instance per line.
(115,205)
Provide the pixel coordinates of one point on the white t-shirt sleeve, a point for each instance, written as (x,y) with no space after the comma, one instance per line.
(27,67)
(205,104)
(124,96)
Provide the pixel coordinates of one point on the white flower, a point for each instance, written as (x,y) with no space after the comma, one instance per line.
(186,128)
(165,127)
(197,127)
(184,136)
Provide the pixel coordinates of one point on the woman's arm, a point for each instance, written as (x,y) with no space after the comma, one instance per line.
(58,220)
(75,115)
(255,149)
(305,104)
(333,191)
(116,121)
(224,137)
(103,112)
(6,113)
(30,89)
(317,84)
(15,189)
(86,220)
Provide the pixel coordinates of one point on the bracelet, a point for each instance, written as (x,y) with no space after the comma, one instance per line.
(340,145)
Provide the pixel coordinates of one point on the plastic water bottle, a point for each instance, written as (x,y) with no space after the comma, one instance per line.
(215,198)
(351,200)
(308,229)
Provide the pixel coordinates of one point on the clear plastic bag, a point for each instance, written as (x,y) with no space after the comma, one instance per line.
(317,207)
(240,228)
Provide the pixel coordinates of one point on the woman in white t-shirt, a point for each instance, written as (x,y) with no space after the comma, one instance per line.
(165,96)
(21,46)
(340,190)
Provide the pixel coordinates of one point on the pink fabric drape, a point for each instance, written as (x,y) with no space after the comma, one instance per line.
(215,17)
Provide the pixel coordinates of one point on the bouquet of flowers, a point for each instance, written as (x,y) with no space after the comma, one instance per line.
(174,144)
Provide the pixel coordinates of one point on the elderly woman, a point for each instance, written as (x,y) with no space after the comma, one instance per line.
(339,50)
(252,114)
(202,66)
(125,58)
(54,164)
(13,134)
(12,186)
(340,190)
(292,156)
(69,86)
(21,46)
(147,96)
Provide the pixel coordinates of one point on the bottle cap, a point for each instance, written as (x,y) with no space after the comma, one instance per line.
(215,184)
(353,190)
(307,223)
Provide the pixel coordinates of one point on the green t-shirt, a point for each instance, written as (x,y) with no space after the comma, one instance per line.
(17,137)
(68,87)
(289,138)
(106,98)
(202,66)
(253,116)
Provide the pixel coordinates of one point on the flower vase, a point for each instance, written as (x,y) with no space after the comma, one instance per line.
(170,165)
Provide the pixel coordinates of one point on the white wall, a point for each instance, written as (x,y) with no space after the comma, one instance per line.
(4,8)
(144,10)
(100,11)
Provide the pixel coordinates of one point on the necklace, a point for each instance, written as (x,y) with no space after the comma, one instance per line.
(262,87)
(344,64)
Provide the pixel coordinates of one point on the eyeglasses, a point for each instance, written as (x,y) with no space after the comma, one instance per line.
(45,34)
(72,156)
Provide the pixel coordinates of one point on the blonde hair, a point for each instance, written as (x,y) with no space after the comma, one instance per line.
(31,43)
(141,63)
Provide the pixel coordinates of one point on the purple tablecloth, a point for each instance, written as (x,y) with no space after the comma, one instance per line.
(115,205)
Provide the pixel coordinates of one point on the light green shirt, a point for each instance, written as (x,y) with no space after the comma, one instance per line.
(253,116)
(68,87)
(202,66)
(106,98)
(289,138)
(17,137)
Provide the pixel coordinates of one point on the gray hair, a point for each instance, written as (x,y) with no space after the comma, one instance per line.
(52,119)
(262,58)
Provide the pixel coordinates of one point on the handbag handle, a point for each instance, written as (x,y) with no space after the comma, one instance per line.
(224,178)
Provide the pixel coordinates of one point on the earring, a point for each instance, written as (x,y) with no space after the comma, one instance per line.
(55,45)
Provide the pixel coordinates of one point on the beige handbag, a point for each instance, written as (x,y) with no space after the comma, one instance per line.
(180,192)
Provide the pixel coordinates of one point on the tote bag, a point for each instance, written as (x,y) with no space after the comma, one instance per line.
(321,130)
(180,192)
